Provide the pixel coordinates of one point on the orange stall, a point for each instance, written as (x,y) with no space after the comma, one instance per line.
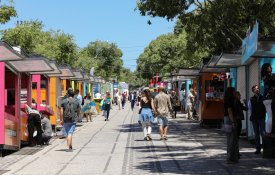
(59,83)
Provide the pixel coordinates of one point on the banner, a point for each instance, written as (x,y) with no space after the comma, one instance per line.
(249,44)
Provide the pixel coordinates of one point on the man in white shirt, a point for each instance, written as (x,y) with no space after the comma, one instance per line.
(190,103)
(182,95)
(79,98)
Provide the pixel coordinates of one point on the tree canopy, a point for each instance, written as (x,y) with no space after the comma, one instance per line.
(214,25)
(103,56)
(55,45)
(7,11)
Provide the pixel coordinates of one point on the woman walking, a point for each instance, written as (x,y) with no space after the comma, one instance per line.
(239,113)
(87,107)
(107,105)
(146,115)
(230,121)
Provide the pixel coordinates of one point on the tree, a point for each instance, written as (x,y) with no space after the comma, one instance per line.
(103,56)
(165,54)
(7,12)
(215,25)
(54,45)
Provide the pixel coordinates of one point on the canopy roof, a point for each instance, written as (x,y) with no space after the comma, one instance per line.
(55,71)
(32,65)
(7,53)
(66,72)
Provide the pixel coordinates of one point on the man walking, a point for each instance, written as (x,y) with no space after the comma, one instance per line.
(133,100)
(163,108)
(257,109)
(71,110)
(80,100)
(190,103)
(182,96)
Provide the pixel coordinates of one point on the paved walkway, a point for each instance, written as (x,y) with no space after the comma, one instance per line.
(117,147)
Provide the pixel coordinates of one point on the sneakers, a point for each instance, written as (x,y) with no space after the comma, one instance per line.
(149,137)
(165,138)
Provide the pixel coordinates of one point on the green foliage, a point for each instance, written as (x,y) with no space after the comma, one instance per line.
(215,25)
(6,13)
(165,54)
(55,45)
(103,56)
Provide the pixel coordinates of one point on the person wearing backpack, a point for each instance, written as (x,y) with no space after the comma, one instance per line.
(71,111)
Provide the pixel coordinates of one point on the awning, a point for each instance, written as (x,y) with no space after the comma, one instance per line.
(186,72)
(7,53)
(85,76)
(55,72)
(182,78)
(32,65)
(77,75)
(229,60)
(66,72)
(92,79)
(206,69)
(212,62)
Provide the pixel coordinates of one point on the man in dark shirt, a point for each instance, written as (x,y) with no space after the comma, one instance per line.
(69,121)
(258,112)
(133,99)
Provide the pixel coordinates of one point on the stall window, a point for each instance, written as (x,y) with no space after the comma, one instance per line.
(43,84)
(214,89)
(34,85)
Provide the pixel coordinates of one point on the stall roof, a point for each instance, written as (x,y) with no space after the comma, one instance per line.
(265,49)
(187,72)
(32,64)
(55,72)
(7,53)
(85,76)
(229,60)
(65,72)
(206,69)
(212,62)
(78,75)
(92,79)
(182,78)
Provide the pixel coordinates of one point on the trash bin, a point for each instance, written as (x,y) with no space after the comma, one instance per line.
(97,104)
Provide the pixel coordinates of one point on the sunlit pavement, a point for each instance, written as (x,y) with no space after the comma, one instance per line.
(117,147)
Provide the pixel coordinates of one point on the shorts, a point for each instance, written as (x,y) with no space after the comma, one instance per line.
(162,121)
(69,128)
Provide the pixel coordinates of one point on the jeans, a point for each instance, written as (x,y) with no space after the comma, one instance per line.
(259,130)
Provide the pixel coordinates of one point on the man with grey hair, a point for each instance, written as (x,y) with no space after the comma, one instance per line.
(163,109)
(190,103)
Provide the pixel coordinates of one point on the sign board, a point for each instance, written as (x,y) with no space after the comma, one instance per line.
(249,44)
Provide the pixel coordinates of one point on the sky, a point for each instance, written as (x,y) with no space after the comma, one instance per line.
(90,20)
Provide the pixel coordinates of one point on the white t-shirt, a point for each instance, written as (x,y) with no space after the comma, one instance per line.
(97,95)
(182,95)
(190,99)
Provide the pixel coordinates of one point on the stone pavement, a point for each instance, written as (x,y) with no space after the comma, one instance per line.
(117,147)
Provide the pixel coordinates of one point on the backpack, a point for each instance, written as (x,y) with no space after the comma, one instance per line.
(69,113)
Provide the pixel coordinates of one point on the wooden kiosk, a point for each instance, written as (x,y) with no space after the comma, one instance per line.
(211,93)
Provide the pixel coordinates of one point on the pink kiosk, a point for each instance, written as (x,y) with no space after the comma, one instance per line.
(15,87)
(9,106)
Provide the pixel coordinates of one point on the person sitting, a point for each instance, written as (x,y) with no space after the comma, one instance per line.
(47,130)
